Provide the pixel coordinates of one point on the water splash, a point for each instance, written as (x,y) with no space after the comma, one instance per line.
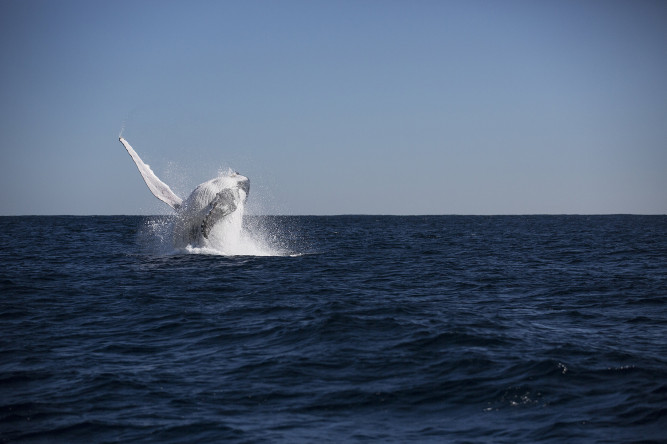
(229,237)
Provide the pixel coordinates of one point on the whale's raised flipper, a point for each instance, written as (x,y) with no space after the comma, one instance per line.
(160,189)
(221,206)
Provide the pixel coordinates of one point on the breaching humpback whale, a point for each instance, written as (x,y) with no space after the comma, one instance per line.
(208,203)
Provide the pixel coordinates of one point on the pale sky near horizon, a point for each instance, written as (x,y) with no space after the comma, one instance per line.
(337,107)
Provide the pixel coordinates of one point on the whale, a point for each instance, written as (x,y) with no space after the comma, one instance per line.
(209,204)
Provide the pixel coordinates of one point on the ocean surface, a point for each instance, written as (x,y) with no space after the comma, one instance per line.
(336,329)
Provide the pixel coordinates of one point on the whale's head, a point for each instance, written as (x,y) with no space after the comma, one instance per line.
(242,182)
(228,190)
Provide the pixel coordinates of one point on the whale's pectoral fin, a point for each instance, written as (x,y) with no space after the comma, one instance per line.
(222,205)
(160,189)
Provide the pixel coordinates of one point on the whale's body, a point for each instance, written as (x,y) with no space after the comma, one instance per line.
(208,204)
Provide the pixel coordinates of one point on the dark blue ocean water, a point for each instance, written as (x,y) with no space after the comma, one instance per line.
(390,329)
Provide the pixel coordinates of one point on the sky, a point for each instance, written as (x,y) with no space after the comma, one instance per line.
(336,107)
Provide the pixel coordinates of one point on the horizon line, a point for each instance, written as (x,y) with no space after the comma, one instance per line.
(352,214)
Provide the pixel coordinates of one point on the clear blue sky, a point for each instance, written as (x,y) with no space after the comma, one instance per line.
(333,107)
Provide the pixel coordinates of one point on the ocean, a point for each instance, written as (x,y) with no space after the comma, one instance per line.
(499,329)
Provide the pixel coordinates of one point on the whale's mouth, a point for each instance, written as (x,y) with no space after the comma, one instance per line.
(245,186)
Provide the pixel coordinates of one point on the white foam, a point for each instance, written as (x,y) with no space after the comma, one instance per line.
(229,237)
